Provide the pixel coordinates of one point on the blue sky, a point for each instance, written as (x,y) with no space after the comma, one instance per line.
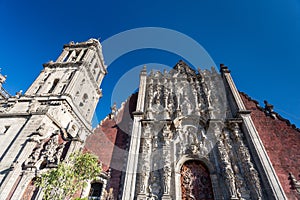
(258,40)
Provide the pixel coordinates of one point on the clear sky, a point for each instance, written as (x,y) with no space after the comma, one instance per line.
(258,40)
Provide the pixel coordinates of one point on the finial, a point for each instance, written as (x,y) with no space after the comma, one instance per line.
(19,94)
(114,111)
(269,109)
(145,68)
(224,69)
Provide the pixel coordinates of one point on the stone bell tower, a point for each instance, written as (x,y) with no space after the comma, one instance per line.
(51,120)
(77,74)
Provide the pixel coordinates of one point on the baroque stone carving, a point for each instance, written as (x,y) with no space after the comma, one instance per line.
(6,107)
(227,170)
(33,106)
(250,173)
(47,154)
(184,117)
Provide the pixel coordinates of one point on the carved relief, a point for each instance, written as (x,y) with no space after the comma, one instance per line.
(155,183)
(178,106)
(227,170)
(47,154)
(250,173)
(6,107)
(52,152)
(40,134)
(33,106)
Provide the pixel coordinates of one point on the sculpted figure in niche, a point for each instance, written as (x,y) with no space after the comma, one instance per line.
(155,182)
(191,133)
(240,187)
(157,109)
(145,176)
(151,196)
(229,176)
(167,179)
(149,113)
(227,170)
(186,106)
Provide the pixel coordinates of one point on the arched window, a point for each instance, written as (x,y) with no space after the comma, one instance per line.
(195,181)
(96,190)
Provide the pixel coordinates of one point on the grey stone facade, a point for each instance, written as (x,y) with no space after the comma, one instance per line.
(52,119)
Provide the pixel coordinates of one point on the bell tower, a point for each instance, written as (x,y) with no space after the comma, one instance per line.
(51,120)
(77,74)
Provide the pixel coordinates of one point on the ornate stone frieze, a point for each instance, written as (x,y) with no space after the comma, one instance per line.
(47,153)
(5,107)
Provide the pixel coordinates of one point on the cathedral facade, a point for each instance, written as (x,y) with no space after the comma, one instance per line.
(186,134)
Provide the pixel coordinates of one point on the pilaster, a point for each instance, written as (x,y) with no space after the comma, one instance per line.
(256,145)
(133,155)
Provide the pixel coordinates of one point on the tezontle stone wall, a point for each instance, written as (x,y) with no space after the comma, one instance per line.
(110,143)
(281,141)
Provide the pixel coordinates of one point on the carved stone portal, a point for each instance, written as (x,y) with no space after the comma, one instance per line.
(195,182)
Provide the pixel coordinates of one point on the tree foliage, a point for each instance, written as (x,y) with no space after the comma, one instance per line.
(69,177)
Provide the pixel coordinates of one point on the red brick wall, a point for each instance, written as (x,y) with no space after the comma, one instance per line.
(110,143)
(101,143)
(281,141)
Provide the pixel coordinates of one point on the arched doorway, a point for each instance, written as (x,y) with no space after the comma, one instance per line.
(195,181)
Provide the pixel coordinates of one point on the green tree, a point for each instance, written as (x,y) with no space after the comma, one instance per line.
(69,177)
